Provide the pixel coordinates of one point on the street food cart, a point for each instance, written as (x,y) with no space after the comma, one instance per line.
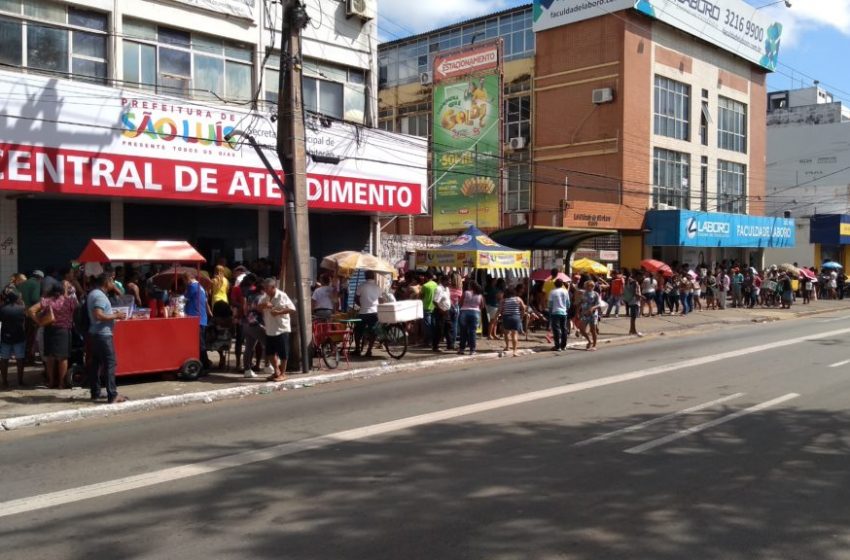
(152,345)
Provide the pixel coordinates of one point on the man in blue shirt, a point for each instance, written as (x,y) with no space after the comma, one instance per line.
(102,319)
(197,305)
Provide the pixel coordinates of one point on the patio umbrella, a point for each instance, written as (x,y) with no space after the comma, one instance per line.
(166,280)
(543,275)
(808,274)
(591,266)
(346,263)
(789,268)
(831,265)
(653,266)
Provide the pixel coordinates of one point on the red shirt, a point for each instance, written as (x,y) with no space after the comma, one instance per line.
(617,286)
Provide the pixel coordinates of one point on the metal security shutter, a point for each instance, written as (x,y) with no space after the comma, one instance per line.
(55,232)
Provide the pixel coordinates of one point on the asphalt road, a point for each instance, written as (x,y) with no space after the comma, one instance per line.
(728,445)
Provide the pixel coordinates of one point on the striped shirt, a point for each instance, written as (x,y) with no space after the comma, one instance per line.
(511,307)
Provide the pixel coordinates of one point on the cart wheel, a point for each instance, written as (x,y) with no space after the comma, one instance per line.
(330,354)
(76,376)
(395,341)
(191,370)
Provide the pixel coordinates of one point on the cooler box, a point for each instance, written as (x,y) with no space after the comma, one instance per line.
(400,311)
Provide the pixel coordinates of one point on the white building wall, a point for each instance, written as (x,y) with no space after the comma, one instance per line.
(706,61)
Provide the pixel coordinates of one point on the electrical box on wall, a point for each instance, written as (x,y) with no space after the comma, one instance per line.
(364,9)
(603,95)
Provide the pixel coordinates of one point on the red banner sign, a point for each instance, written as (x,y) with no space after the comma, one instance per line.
(466,62)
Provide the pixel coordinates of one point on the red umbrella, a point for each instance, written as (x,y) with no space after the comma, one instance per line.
(654,267)
(808,273)
(543,275)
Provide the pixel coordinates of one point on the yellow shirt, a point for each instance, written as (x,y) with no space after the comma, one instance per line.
(548,286)
(220,289)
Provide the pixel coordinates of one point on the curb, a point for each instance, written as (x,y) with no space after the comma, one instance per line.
(242,391)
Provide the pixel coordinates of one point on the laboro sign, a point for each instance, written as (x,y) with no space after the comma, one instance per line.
(685,228)
(732,25)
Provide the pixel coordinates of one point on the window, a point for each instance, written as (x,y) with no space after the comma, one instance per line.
(731,187)
(518,117)
(334,91)
(49,37)
(518,188)
(705,119)
(271,79)
(671,173)
(176,62)
(672,108)
(415,119)
(732,125)
(703,184)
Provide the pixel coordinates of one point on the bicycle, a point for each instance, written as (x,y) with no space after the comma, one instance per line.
(392,336)
(330,341)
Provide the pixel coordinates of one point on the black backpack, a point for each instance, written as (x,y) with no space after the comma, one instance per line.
(82,319)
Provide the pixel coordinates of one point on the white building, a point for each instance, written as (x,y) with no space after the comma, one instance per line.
(808,167)
(121,118)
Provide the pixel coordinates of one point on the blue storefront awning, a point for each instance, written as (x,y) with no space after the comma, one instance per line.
(830,229)
(686,228)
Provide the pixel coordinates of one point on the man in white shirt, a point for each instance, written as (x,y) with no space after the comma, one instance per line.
(276,307)
(323,299)
(367,296)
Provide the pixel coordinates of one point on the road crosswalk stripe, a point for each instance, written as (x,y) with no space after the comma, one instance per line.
(711,424)
(659,420)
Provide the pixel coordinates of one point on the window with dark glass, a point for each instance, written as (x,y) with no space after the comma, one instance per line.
(731,125)
(672,117)
(671,172)
(731,187)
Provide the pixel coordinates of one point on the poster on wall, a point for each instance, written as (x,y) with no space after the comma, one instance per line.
(467,153)
(733,25)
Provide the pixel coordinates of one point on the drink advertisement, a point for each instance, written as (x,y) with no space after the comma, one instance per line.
(467,151)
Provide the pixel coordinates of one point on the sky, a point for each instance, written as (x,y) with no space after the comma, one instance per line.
(816,36)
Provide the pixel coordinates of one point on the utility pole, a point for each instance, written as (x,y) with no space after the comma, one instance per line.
(291,149)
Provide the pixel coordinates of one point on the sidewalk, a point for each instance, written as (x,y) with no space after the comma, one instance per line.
(147,392)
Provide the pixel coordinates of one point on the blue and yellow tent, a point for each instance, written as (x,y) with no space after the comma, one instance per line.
(474,250)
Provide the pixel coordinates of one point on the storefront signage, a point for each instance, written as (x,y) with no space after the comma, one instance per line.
(706,229)
(553,13)
(830,229)
(466,62)
(239,8)
(733,25)
(467,153)
(71,138)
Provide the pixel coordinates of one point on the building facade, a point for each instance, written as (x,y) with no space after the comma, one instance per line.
(808,171)
(126,119)
(633,109)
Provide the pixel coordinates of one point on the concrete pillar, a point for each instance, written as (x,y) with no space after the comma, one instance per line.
(8,238)
(375,235)
(116,219)
(263,233)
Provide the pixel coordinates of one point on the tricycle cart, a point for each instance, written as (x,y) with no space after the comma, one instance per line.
(152,345)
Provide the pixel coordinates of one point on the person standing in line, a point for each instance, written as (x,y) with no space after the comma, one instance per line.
(323,299)
(13,337)
(512,309)
(220,293)
(737,288)
(723,283)
(442,315)
(430,317)
(832,284)
(455,295)
(696,301)
(102,320)
(31,294)
(661,290)
(615,295)
(649,285)
(559,305)
(493,299)
(632,298)
(197,305)
(367,297)
(841,282)
(471,308)
(276,307)
(253,331)
(61,304)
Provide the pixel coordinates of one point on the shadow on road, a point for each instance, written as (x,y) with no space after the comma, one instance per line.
(775,485)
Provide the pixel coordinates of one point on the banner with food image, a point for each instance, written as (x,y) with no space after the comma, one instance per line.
(467,150)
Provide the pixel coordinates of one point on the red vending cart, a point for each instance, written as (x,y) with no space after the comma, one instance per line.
(159,344)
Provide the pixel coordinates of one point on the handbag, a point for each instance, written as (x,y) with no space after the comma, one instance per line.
(45,317)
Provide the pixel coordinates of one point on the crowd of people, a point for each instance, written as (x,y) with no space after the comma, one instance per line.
(48,314)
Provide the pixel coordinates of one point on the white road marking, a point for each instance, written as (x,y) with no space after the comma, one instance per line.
(839,364)
(706,425)
(659,420)
(71,495)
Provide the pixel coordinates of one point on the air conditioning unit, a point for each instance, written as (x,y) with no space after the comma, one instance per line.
(425,78)
(662,206)
(360,8)
(604,95)
(517,143)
